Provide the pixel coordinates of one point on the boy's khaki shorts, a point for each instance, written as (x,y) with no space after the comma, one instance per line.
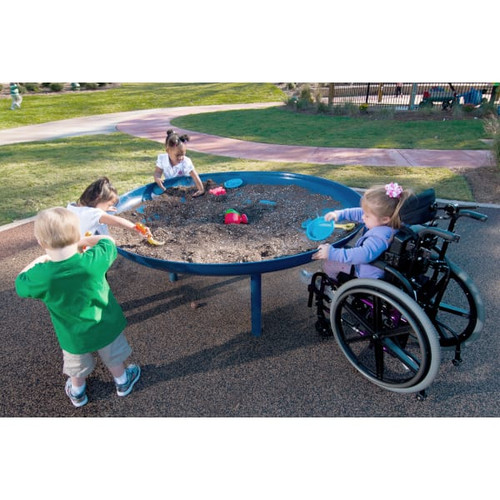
(81,365)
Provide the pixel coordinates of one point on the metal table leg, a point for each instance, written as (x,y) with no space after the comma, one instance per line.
(256,303)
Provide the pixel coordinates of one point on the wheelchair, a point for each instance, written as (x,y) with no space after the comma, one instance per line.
(392,330)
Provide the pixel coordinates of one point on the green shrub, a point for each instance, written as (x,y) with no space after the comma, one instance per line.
(384,112)
(304,104)
(350,109)
(306,94)
(91,86)
(469,108)
(322,107)
(363,108)
(495,148)
(431,111)
(56,87)
(337,110)
(292,102)
(486,108)
(491,126)
(32,87)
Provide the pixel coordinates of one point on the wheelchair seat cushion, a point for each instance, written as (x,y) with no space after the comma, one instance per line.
(419,208)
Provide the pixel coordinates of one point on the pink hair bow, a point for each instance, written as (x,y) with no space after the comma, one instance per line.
(393,190)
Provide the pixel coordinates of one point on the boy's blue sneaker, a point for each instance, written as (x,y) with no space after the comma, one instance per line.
(133,373)
(77,401)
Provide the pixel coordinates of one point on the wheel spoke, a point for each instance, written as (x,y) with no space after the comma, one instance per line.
(458,311)
(443,327)
(408,360)
(379,360)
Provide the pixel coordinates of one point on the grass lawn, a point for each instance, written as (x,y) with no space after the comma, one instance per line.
(43,174)
(131,97)
(279,125)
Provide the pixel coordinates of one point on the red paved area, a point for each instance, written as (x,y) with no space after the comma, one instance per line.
(152,124)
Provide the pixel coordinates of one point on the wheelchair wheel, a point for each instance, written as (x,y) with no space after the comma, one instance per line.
(459,317)
(385,335)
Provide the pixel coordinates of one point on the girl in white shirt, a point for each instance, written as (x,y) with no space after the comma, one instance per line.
(175,163)
(92,207)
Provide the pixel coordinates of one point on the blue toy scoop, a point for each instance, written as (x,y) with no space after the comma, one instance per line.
(233,183)
(319,229)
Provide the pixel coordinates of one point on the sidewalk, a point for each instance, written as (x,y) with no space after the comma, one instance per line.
(153,123)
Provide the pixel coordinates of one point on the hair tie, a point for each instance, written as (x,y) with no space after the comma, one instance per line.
(393,190)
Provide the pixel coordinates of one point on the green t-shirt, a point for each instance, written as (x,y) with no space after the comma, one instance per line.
(84,311)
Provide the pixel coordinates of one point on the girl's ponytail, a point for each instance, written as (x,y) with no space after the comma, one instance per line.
(395,221)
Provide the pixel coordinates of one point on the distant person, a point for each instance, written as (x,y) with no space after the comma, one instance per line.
(174,163)
(380,207)
(93,206)
(84,312)
(399,89)
(16,96)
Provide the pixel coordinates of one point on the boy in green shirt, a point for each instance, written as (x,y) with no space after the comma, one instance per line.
(85,314)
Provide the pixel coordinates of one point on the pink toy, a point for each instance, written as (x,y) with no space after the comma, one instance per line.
(217,191)
(233,217)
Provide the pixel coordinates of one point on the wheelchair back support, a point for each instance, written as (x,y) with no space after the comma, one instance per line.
(408,251)
(420,208)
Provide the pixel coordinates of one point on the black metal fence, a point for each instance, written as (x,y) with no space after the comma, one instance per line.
(405,95)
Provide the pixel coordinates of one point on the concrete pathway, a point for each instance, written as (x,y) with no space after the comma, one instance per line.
(153,123)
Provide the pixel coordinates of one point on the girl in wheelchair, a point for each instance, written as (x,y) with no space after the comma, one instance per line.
(380,213)
(393,328)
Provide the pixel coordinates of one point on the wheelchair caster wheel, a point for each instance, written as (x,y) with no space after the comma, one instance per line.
(323,328)
(422,395)
(456,362)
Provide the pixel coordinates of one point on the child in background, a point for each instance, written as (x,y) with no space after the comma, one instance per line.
(175,163)
(84,312)
(16,97)
(380,206)
(93,205)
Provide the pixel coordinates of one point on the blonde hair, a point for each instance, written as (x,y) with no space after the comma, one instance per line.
(381,204)
(57,228)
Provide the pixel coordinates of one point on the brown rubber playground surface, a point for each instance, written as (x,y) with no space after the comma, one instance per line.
(205,362)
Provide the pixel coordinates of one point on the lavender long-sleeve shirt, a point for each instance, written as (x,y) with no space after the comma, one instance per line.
(368,247)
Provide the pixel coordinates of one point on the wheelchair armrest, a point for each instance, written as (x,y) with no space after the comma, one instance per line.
(474,215)
(435,231)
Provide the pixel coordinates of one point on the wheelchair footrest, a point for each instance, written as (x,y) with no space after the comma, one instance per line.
(318,288)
